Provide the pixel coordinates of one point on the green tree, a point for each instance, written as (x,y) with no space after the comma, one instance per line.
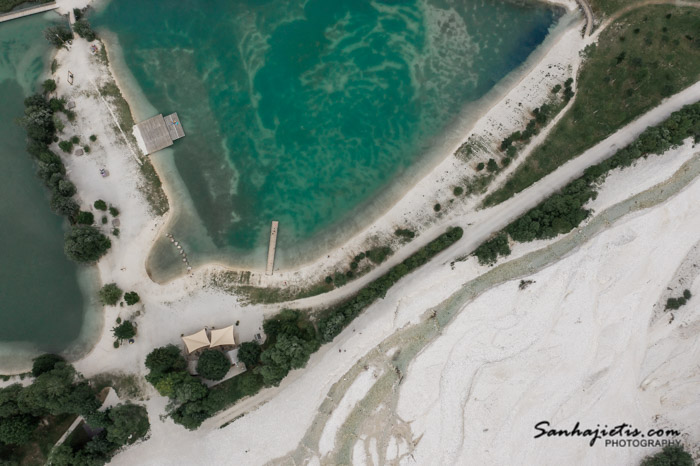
(100,205)
(65,206)
(131,298)
(672,455)
(49,86)
(85,218)
(17,430)
(249,353)
(164,360)
(110,294)
(114,211)
(124,331)
(45,363)
(128,423)
(83,29)
(58,35)
(213,365)
(289,352)
(85,244)
(491,165)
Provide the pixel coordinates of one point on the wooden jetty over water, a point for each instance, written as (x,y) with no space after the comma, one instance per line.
(159,132)
(272,247)
(27,11)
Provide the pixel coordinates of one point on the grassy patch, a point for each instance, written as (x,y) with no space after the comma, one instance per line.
(644,57)
(9,5)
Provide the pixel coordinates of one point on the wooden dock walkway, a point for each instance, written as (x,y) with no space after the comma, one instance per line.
(271,249)
(159,132)
(27,11)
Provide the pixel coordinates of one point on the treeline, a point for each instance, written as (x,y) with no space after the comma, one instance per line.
(338,317)
(58,390)
(563,211)
(83,243)
(291,339)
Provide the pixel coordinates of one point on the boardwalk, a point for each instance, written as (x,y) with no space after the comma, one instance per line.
(27,11)
(271,249)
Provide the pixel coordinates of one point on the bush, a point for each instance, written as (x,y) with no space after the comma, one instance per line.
(329,279)
(687,295)
(164,360)
(404,233)
(458,190)
(379,254)
(45,363)
(49,86)
(124,331)
(249,353)
(75,139)
(114,211)
(132,298)
(65,206)
(110,294)
(86,149)
(492,166)
(489,251)
(671,455)
(437,207)
(66,146)
(83,29)
(100,205)
(480,166)
(104,220)
(93,138)
(78,13)
(213,364)
(85,218)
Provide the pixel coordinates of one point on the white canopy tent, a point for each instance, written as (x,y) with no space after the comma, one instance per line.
(222,337)
(196,340)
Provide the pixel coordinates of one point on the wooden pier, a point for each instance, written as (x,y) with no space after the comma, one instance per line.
(159,132)
(27,11)
(271,249)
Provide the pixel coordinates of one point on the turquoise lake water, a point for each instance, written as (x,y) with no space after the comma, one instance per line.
(41,304)
(304,112)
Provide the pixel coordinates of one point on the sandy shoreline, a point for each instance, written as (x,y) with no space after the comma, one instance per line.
(528,85)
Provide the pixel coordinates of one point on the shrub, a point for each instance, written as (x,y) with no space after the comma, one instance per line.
(93,138)
(114,211)
(437,207)
(480,166)
(78,13)
(104,220)
(556,89)
(686,294)
(75,139)
(86,149)
(213,364)
(85,218)
(379,254)
(65,146)
(131,298)
(110,294)
(249,353)
(100,205)
(405,233)
(492,166)
(329,279)
(489,251)
(124,331)
(115,232)
(671,455)
(458,190)
(85,244)
(49,86)
(164,360)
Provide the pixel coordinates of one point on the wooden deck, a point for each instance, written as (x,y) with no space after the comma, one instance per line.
(172,122)
(27,11)
(155,134)
(272,247)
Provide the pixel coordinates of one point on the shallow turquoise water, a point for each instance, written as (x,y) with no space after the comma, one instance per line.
(41,304)
(303,111)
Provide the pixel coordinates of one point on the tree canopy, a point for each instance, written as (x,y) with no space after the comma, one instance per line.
(213,364)
(85,244)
